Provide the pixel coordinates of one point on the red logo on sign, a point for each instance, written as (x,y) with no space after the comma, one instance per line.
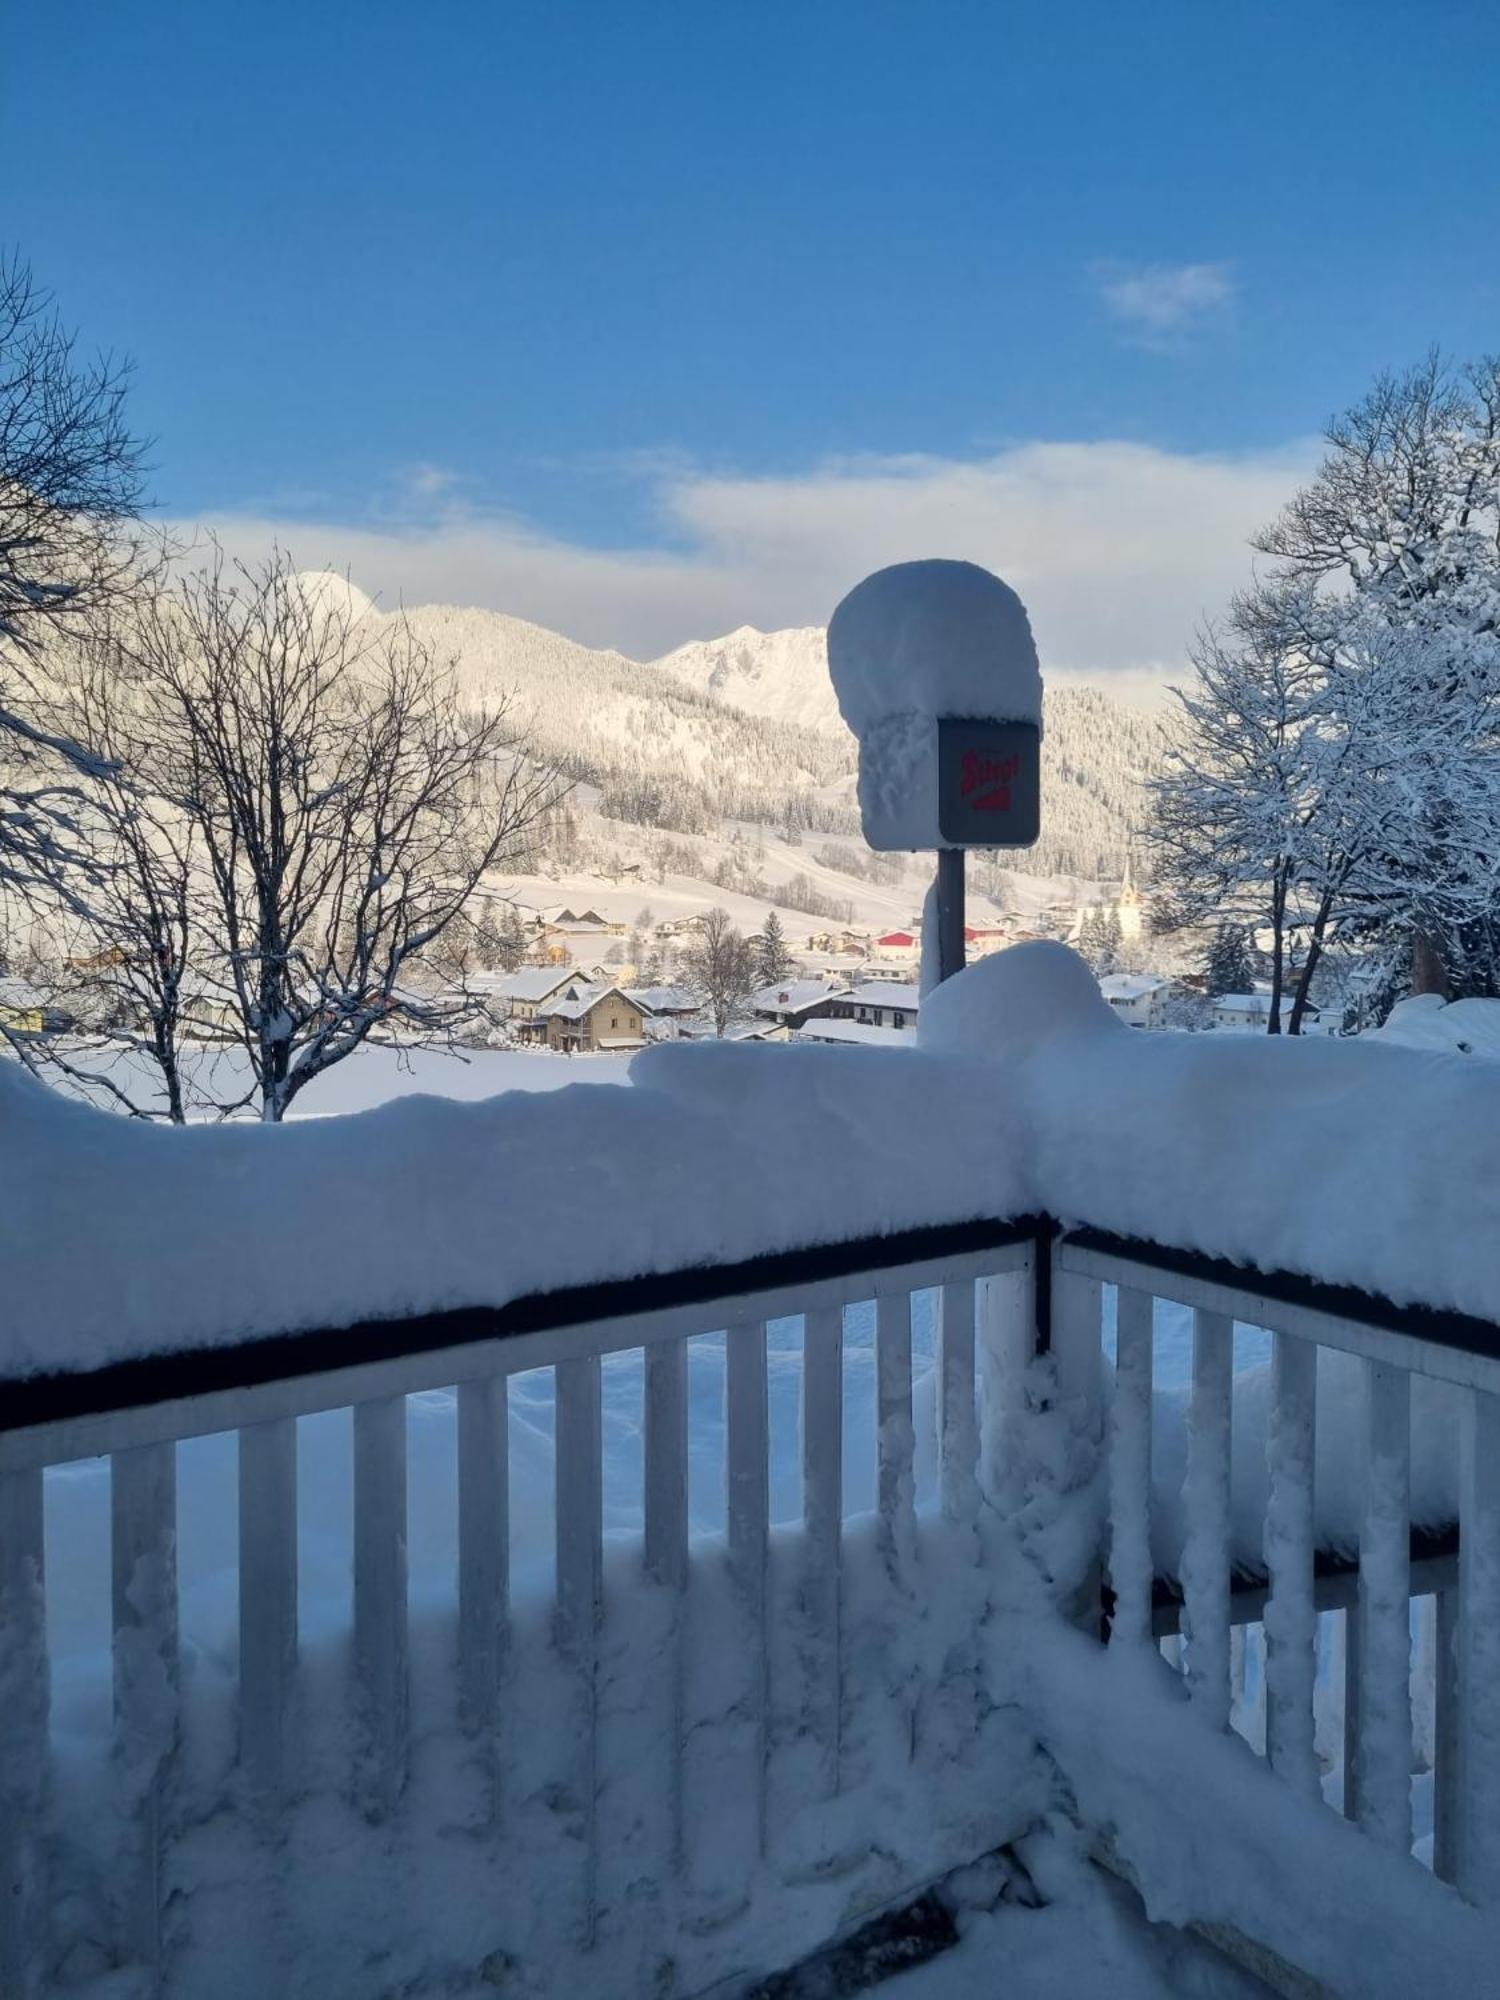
(985,782)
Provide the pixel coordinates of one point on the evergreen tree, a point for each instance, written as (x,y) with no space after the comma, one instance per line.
(773,961)
(1228,966)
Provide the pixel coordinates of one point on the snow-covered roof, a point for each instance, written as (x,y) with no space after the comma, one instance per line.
(578,999)
(663,999)
(1244,1003)
(860,1033)
(532,982)
(1131,985)
(793,995)
(885,993)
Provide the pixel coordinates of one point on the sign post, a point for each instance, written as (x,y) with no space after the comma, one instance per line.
(936,674)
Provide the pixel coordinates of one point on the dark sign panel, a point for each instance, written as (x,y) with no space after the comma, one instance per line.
(989,782)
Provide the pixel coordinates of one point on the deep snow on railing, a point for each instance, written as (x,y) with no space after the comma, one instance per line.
(679,1759)
(1304,1532)
(678,1756)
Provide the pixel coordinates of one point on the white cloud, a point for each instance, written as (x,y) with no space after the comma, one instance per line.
(1160,305)
(1118,549)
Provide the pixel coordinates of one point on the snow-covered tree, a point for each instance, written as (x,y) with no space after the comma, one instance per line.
(773,959)
(1228,967)
(719,967)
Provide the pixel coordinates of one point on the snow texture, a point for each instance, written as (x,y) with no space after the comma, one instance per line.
(911,643)
(1022,1093)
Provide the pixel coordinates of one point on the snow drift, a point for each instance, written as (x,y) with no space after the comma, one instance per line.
(1356,1163)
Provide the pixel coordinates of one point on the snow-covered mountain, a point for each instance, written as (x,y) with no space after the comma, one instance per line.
(780,675)
(744,729)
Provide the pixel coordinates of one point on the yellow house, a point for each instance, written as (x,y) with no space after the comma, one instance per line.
(582,1019)
(21,1009)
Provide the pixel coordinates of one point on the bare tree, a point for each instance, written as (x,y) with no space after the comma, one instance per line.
(720,968)
(309,778)
(70,484)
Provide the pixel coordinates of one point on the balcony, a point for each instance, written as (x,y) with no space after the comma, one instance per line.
(638,1540)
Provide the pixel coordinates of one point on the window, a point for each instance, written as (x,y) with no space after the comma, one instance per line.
(613,1022)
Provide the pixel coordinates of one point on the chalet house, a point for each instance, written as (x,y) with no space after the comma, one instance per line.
(666,1011)
(877,1003)
(519,996)
(583,1019)
(905,945)
(1139,998)
(1249,1013)
(795,1002)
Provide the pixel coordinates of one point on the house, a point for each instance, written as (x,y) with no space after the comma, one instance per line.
(1249,1013)
(1139,998)
(857,1034)
(905,945)
(583,1019)
(878,1003)
(518,997)
(666,1011)
(795,1002)
(22,1009)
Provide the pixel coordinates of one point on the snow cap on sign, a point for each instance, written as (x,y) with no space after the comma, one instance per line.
(933,638)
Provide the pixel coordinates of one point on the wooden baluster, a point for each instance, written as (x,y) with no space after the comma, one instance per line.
(958,1429)
(1291,1621)
(1130,1564)
(1383,1772)
(823,1522)
(25,1760)
(580,1590)
(380,1612)
(1448,1773)
(747,1472)
(483,1559)
(666,1543)
(895,1495)
(1478,1760)
(1206,1543)
(268,1604)
(143,1553)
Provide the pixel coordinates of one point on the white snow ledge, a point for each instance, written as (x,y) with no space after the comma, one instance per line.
(1352,1163)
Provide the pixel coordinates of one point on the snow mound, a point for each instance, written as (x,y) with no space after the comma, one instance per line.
(933,638)
(326,592)
(1426,1021)
(1012,1001)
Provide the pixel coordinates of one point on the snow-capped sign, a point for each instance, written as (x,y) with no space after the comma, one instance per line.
(936,674)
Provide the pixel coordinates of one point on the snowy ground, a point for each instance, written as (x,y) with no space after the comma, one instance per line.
(1086,1938)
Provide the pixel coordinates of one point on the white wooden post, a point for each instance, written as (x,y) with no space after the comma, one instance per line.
(895,1495)
(1449,1778)
(666,1544)
(1385,1736)
(24,1758)
(380,1626)
(823,1527)
(483,1555)
(747,1472)
(580,1589)
(268,1602)
(143,1552)
(1478,1758)
(1077,1358)
(1353,1681)
(1130,1563)
(958,1430)
(1291,1619)
(1006,1333)
(1206,1542)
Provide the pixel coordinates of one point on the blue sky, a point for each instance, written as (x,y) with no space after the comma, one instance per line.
(574,308)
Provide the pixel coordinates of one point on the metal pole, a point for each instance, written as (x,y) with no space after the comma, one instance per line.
(950,899)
